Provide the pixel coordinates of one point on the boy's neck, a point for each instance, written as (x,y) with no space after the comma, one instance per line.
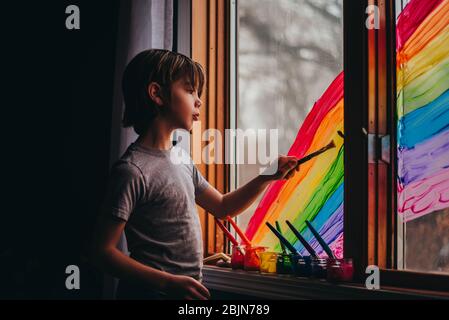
(158,136)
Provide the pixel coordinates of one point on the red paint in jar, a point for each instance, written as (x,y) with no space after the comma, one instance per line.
(237,257)
(252,259)
(340,270)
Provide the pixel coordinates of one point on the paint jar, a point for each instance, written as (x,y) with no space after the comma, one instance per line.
(237,256)
(302,266)
(319,268)
(339,270)
(294,260)
(251,261)
(268,262)
(284,264)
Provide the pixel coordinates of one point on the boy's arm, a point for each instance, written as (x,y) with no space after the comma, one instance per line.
(107,257)
(235,202)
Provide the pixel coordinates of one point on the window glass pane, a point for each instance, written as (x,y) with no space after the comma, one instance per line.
(423,134)
(289,71)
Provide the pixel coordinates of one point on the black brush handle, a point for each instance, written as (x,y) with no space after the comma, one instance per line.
(323,243)
(282,239)
(278,227)
(302,240)
(316,153)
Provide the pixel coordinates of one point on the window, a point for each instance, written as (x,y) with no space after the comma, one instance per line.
(422,52)
(288,53)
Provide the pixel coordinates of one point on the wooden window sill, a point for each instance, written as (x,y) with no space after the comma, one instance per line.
(275,287)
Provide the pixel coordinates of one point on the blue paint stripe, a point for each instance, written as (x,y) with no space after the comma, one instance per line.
(329,208)
(424,123)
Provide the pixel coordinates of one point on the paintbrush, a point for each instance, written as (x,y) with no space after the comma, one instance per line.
(302,240)
(226,232)
(229,235)
(278,227)
(341,134)
(316,153)
(282,239)
(239,231)
(323,243)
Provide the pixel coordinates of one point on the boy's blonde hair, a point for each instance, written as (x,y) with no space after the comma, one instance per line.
(160,66)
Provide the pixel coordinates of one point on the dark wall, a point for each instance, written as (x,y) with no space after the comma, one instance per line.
(57,102)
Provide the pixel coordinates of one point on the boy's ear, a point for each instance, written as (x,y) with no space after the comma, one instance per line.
(155,93)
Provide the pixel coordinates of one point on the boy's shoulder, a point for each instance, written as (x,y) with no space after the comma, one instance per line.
(130,163)
(126,168)
(133,157)
(138,161)
(141,159)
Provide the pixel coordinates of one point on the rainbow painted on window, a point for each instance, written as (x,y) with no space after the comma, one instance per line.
(315,192)
(423,108)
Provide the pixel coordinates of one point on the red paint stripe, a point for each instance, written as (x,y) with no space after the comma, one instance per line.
(411,17)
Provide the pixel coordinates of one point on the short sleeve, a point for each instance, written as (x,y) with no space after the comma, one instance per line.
(125,189)
(199,181)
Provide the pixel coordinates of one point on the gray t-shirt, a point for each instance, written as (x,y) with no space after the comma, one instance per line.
(156,196)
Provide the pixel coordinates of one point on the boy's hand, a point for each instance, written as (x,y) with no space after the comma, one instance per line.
(286,168)
(183,287)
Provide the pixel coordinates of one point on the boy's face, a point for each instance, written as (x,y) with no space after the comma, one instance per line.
(185,104)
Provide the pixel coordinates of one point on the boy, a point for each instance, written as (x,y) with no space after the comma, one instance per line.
(155,199)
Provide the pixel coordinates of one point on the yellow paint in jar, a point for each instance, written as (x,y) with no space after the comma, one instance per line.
(268,262)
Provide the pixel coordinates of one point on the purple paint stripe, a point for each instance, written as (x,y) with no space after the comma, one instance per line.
(329,231)
(424,160)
